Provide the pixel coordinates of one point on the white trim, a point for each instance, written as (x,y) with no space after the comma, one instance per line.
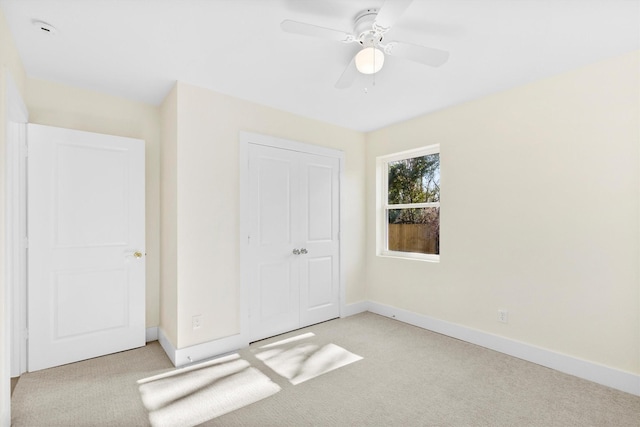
(210,349)
(244,236)
(166,345)
(607,376)
(196,353)
(341,222)
(287,144)
(610,377)
(383,206)
(410,154)
(410,255)
(354,308)
(16,118)
(246,138)
(151,334)
(16,242)
(413,205)
(14,286)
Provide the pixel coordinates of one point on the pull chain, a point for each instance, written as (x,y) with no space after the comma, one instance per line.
(374,66)
(373,76)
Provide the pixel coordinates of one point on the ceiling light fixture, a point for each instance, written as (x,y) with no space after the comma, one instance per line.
(369,60)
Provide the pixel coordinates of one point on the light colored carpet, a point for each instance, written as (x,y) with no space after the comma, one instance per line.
(408,376)
(96,392)
(14,382)
(300,362)
(190,396)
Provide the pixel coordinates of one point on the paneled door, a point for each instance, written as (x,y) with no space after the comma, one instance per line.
(319,233)
(294,240)
(86,290)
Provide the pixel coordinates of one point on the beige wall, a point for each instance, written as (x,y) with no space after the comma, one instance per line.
(59,105)
(9,56)
(169,217)
(540,215)
(207,194)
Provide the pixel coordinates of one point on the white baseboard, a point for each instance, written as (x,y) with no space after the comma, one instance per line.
(151,334)
(354,308)
(167,346)
(195,353)
(610,377)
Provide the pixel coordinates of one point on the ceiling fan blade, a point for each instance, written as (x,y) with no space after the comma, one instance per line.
(390,12)
(304,29)
(348,75)
(422,54)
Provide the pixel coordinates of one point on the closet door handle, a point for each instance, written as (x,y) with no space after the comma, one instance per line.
(296,252)
(303,251)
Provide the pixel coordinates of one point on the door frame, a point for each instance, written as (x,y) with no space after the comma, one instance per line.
(247,138)
(15,223)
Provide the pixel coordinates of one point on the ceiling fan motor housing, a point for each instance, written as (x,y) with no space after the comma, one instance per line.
(364,29)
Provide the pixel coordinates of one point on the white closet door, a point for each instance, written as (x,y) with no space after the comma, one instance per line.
(320,265)
(86,245)
(275,222)
(294,247)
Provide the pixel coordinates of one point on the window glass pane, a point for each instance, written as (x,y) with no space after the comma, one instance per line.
(414,230)
(415,180)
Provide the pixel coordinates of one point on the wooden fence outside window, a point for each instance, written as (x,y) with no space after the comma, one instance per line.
(412,238)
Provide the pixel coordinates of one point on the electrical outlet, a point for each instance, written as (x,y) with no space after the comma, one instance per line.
(503,315)
(197,321)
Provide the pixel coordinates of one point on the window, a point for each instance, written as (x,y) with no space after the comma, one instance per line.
(409,204)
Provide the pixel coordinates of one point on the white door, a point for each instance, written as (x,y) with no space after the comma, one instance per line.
(319,231)
(294,247)
(86,292)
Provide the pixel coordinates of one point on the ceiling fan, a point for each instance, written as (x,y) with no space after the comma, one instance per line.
(369,30)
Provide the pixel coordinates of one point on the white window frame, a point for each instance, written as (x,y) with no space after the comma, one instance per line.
(382,203)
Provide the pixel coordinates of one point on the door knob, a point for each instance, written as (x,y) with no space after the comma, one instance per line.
(136,254)
(303,251)
(296,252)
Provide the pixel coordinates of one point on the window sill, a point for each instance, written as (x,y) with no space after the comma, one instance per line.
(412,256)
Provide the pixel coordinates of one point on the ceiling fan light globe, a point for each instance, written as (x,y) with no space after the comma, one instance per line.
(369,60)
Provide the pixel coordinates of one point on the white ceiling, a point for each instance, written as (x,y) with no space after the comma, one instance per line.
(137,49)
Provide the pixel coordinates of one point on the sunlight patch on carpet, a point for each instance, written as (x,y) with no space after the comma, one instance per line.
(299,362)
(193,395)
(289,340)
